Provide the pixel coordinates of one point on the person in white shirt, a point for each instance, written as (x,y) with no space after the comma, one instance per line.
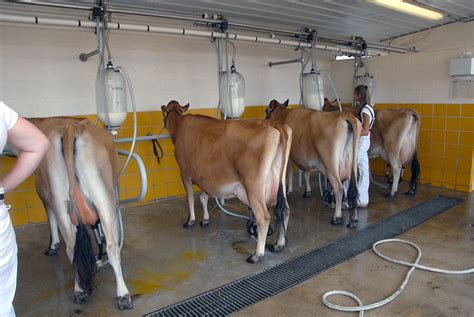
(367,117)
(32,144)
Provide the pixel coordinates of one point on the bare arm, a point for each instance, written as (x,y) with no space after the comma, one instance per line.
(365,125)
(33,145)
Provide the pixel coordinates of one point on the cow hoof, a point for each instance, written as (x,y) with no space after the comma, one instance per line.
(205,222)
(289,194)
(351,225)
(390,196)
(81,297)
(189,224)
(411,192)
(308,194)
(276,248)
(50,252)
(125,302)
(253,259)
(336,221)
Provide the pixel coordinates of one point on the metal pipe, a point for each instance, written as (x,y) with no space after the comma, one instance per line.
(83,57)
(53,5)
(162,15)
(143,138)
(175,31)
(143,176)
(291,61)
(262,28)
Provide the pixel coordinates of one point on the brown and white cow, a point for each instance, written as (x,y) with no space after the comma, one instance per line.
(325,142)
(76,182)
(246,159)
(393,138)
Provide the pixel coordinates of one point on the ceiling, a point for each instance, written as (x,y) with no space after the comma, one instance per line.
(336,17)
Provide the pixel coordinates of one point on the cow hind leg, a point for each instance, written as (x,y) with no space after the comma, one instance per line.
(109,221)
(262,218)
(396,169)
(289,171)
(338,193)
(188,185)
(282,211)
(307,186)
(54,238)
(205,218)
(415,173)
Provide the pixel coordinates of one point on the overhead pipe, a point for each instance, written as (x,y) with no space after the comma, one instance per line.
(111,9)
(206,20)
(175,31)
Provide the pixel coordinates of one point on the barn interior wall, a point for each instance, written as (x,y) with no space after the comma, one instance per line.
(40,75)
(422,81)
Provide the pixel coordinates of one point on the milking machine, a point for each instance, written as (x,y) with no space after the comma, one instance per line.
(231,105)
(111,87)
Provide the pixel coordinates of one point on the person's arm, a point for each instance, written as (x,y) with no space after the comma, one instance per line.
(32,144)
(365,124)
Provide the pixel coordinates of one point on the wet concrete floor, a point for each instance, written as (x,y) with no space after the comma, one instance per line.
(164,263)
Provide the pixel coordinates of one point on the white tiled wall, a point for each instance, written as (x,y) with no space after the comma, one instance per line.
(40,74)
(421,77)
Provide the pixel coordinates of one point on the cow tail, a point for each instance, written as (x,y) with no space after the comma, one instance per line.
(353,192)
(281,207)
(415,164)
(84,262)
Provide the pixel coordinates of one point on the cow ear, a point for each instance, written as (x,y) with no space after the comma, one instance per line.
(163,108)
(272,104)
(285,104)
(186,107)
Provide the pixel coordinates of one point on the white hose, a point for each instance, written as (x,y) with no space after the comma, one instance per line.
(229,212)
(414,265)
(123,72)
(333,89)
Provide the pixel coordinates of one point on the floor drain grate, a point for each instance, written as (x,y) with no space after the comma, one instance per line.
(242,293)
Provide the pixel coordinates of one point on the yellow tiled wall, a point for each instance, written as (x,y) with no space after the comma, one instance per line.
(445,145)
(445,153)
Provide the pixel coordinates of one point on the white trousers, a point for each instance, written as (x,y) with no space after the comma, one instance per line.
(363,167)
(364,174)
(8,263)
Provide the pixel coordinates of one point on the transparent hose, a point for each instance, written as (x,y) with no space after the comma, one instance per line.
(123,72)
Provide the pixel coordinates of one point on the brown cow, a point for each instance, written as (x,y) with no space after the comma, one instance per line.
(393,138)
(246,159)
(76,182)
(323,141)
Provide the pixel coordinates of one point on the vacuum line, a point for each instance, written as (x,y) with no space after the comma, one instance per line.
(413,266)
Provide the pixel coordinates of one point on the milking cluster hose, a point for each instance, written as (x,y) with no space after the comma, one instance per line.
(413,266)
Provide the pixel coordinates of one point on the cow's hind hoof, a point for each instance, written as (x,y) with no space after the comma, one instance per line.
(351,225)
(411,192)
(289,194)
(390,196)
(81,297)
(336,221)
(189,224)
(308,194)
(276,248)
(254,259)
(205,222)
(50,252)
(125,302)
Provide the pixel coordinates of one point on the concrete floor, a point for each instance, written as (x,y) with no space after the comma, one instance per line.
(164,263)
